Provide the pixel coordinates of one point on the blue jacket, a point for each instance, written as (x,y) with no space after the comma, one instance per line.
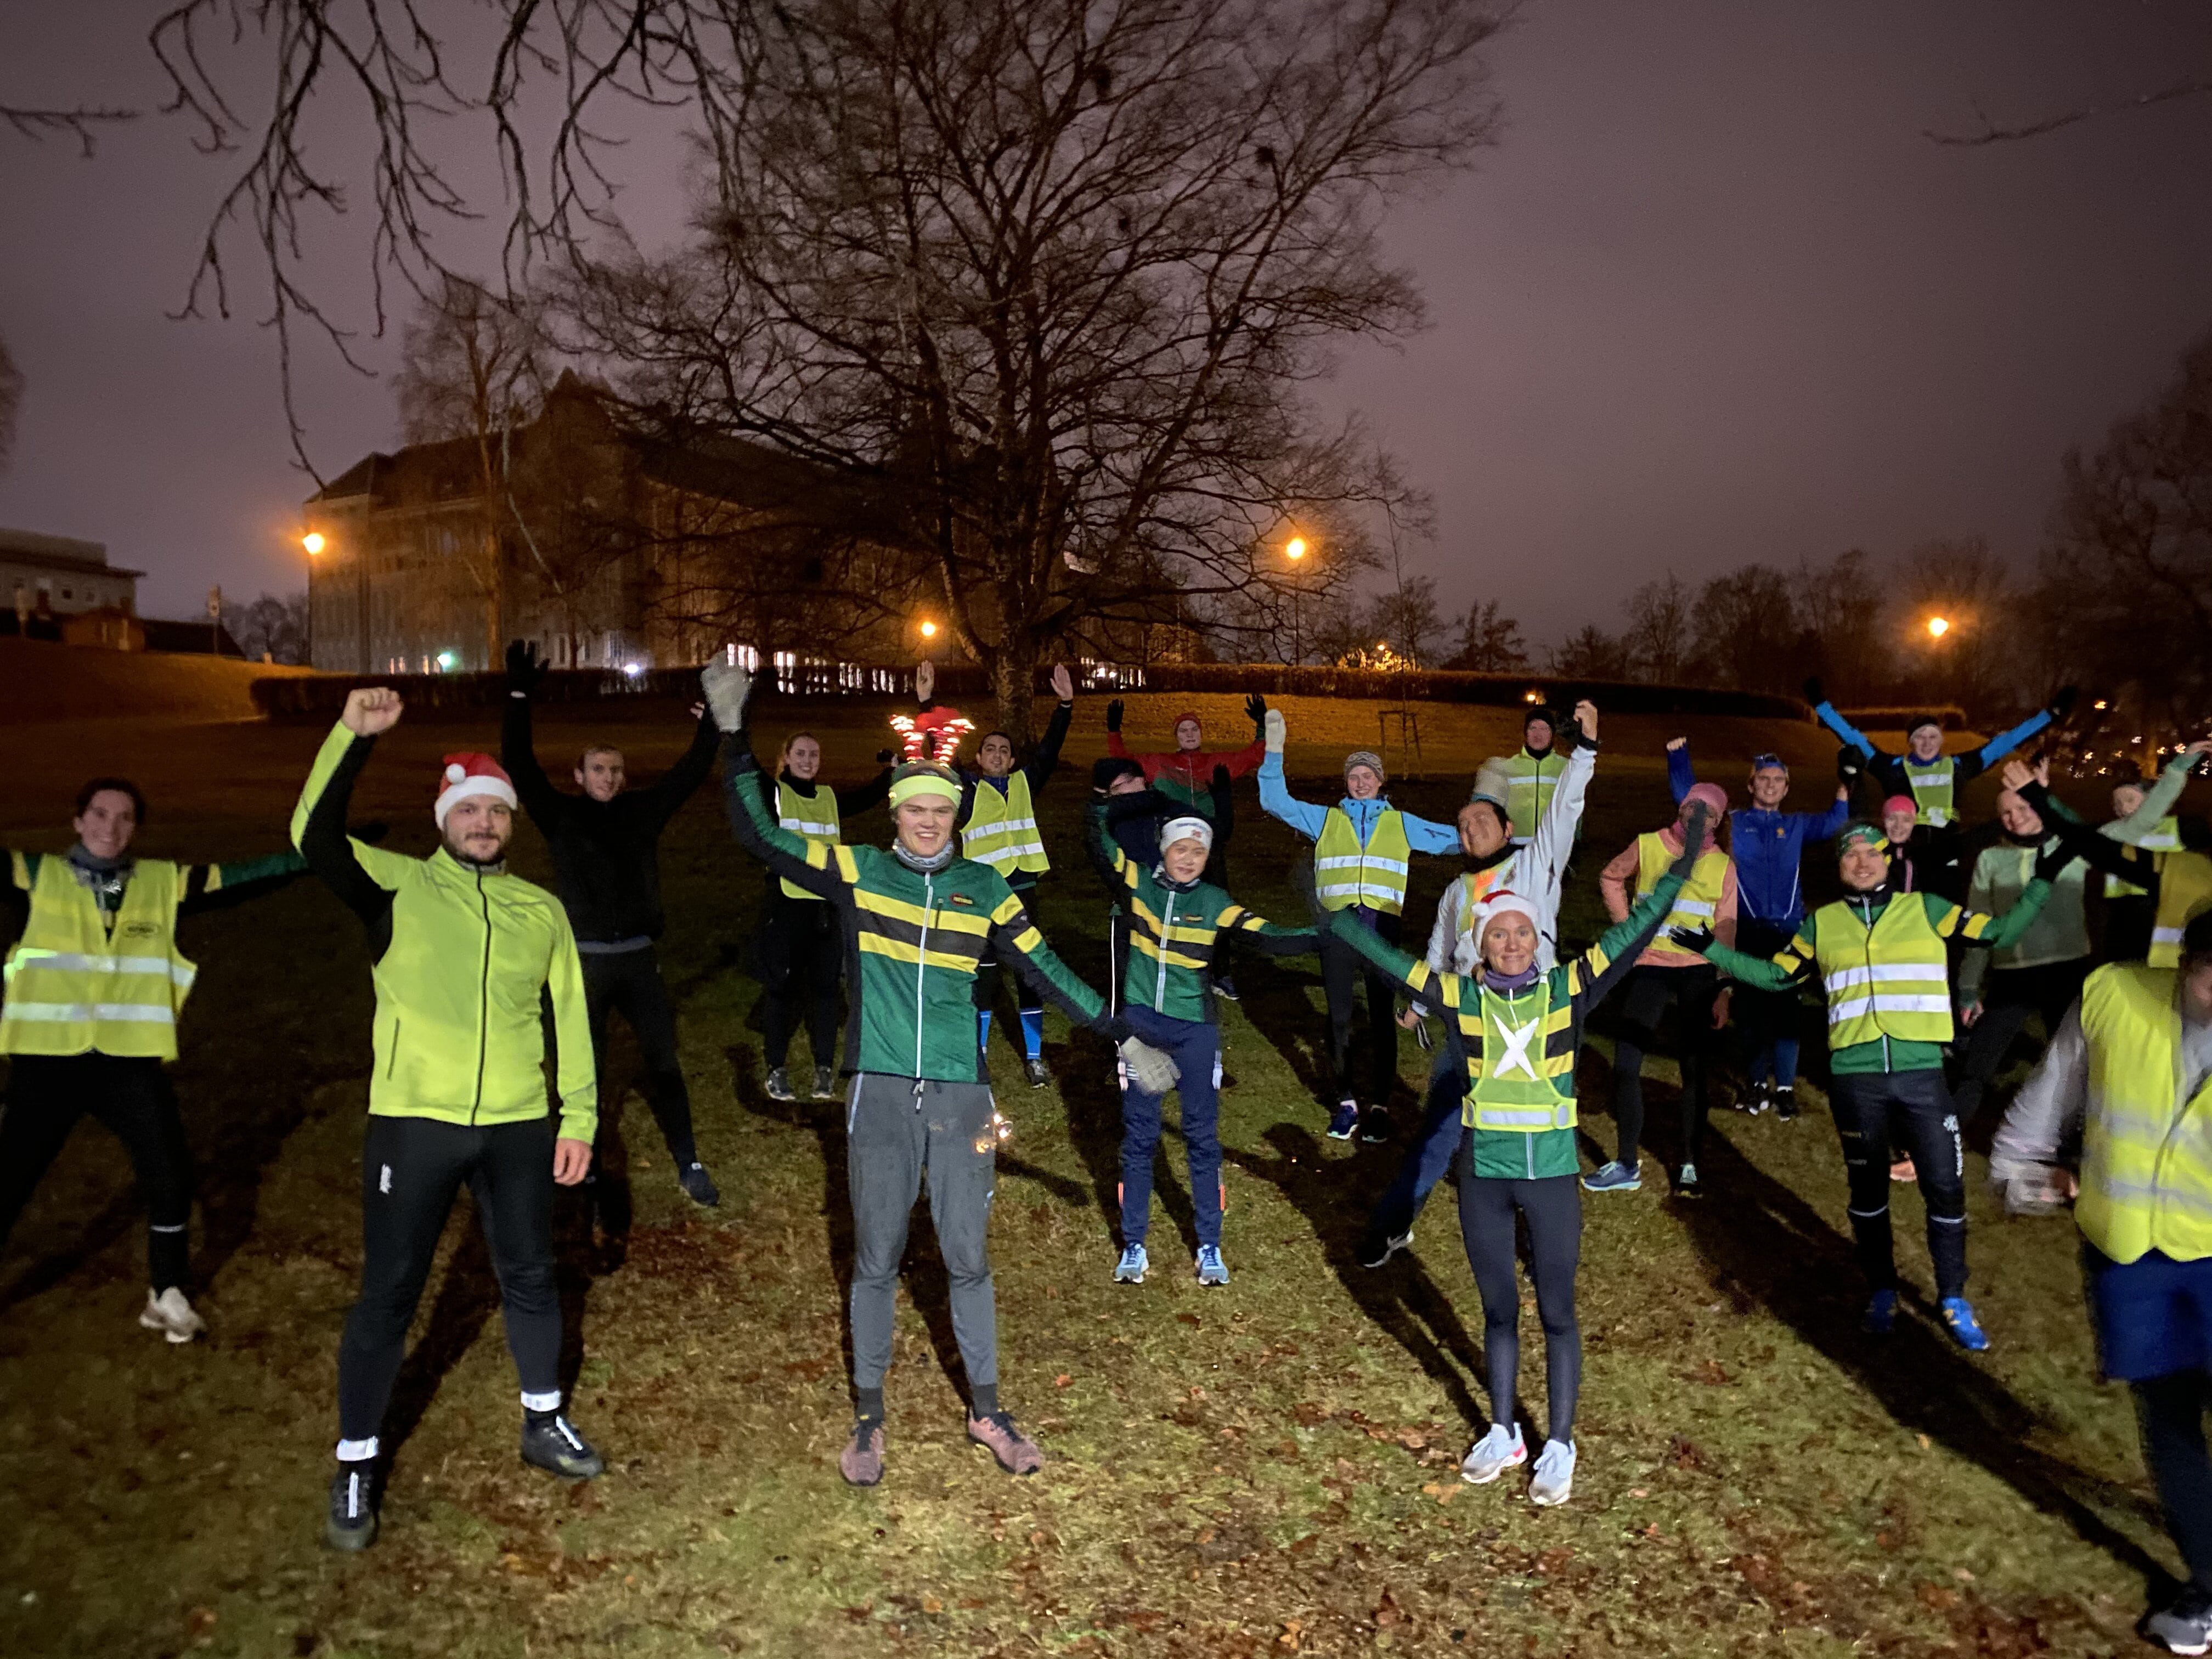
(1767,847)
(1423,835)
(1889,769)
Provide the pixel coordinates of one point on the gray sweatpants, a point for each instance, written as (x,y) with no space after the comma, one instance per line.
(893,1136)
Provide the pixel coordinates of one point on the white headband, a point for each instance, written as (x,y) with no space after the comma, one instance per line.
(1191,828)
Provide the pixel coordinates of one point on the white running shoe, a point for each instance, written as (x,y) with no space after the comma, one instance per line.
(170,1314)
(1554,1482)
(1500,1450)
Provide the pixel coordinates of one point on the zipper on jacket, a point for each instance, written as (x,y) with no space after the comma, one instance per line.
(921,970)
(392,1065)
(484,1000)
(1160,984)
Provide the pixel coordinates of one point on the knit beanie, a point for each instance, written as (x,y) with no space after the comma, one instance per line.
(1493,782)
(467,775)
(1900,803)
(1714,799)
(1370,760)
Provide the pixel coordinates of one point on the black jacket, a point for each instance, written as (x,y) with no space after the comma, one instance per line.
(606,863)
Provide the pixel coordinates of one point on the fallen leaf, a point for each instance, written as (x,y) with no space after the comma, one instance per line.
(199,1621)
(1386,1612)
(1062,1380)
(931,1604)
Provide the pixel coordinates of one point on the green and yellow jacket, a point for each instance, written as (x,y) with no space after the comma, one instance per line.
(461,954)
(914,939)
(1173,933)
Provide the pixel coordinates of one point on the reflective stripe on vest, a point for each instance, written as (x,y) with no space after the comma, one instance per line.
(1890,981)
(1517,1088)
(815,819)
(2146,1153)
(74,984)
(2185,888)
(1530,784)
(1698,903)
(1934,787)
(1346,874)
(2165,837)
(1002,828)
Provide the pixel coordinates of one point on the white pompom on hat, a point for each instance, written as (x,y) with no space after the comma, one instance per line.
(467,775)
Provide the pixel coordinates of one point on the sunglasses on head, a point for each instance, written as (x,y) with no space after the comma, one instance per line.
(1760,762)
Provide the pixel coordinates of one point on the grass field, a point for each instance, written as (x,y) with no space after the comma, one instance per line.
(1263,1469)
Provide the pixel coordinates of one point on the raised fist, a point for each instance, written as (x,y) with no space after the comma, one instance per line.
(1114,715)
(370,709)
(728,688)
(526,669)
(1813,693)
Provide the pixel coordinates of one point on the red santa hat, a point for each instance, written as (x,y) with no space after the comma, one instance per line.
(470,774)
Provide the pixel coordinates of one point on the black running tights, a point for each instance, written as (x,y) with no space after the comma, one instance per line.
(1554,1208)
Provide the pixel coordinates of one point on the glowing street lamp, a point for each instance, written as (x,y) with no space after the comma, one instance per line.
(1938,627)
(1295,548)
(929,630)
(313,542)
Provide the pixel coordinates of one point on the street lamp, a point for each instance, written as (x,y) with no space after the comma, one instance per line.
(313,542)
(1295,548)
(929,630)
(1938,627)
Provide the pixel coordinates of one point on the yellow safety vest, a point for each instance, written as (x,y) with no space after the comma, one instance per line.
(2185,888)
(1523,1082)
(75,985)
(1530,783)
(2163,838)
(1002,828)
(2146,1153)
(1935,789)
(1698,903)
(815,819)
(1346,874)
(1893,979)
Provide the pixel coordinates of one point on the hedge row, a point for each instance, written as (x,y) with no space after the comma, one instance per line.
(324,695)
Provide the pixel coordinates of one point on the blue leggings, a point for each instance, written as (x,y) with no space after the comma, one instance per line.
(1196,1048)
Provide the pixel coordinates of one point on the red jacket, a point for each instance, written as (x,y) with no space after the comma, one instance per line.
(1188,773)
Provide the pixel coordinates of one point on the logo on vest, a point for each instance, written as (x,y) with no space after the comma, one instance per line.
(960,898)
(1517,1040)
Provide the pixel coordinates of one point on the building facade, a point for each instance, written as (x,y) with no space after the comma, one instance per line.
(54,576)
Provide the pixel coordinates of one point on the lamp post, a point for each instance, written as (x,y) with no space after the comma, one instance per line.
(313,543)
(1295,551)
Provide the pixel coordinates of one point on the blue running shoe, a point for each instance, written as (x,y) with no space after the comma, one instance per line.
(1130,1269)
(1880,1314)
(1966,1330)
(1344,1120)
(1210,1271)
(1614,1177)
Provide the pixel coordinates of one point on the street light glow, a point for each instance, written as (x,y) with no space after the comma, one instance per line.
(1295,548)
(313,542)
(929,630)
(1938,627)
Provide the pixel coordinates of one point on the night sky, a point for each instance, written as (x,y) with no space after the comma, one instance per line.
(1714,298)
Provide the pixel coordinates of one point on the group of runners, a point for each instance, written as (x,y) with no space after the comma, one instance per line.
(1931,970)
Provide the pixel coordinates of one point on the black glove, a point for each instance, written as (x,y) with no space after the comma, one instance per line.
(1114,715)
(1221,777)
(2054,858)
(2061,704)
(1693,839)
(1813,693)
(1697,940)
(371,834)
(885,757)
(1849,763)
(1255,710)
(526,669)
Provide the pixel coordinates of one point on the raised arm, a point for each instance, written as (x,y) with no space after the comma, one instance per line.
(1019,943)
(1553,842)
(1107,858)
(1681,775)
(349,868)
(1242,761)
(217,886)
(2161,798)
(1979,761)
(1422,984)
(861,797)
(1592,975)
(517,750)
(666,797)
(1275,798)
(1044,754)
(822,870)
(1250,927)
(2099,852)
(1825,712)
(1225,805)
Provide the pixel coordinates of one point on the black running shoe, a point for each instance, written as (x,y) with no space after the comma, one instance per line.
(1374,1125)
(698,1185)
(355,1490)
(551,1443)
(1225,987)
(1036,1072)
(1785,1102)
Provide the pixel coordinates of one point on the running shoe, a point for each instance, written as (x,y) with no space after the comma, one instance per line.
(1375,1251)
(2184,1628)
(1211,1268)
(1374,1125)
(351,1523)
(1762,1100)
(1225,987)
(1501,1449)
(778,1087)
(1687,1184)
(1966,1330)
(1130,1269)
(1016,1453)
(1903,1171)
(170,1314)
(1785,1102)
(1881,1315)
(698,1185)
(825,1083)
(862,1462)
(1554,1480)
(551,1443)
(1614,1177)
(1034,1069)
(1344,1120)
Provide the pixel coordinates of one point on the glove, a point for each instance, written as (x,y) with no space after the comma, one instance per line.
(2052,859)
(1813,693)
(1221,778)
(1849,763)
(525,670)
(728,688)
(1693,839)
(885,757)
(2062,705)
(1256,709)
(1278,729)
(1695,940)
(1151,1072)
(1114,715)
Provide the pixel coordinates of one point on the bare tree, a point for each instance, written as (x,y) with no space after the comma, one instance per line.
(1407,619)
(1744,631)
(1591,654)
(1658,638)
(1976,660)
(1846,640)
(274,627)
(1490,642)
(11,403)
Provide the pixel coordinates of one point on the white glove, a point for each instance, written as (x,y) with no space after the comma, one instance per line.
(1278,729)
(727,687)
(1150,1070)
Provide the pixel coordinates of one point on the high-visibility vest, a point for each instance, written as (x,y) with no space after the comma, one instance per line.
(1346,874)
(1893,979)
(1698,903)
(76,985)
(1002,828)
(2146,1154)
(1524,1081)
(1935,789)
(1530,783)
(816,819)
(2165,838)
(2185,888)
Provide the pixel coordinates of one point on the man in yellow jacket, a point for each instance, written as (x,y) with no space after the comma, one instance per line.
(2132,1063)
(461,951)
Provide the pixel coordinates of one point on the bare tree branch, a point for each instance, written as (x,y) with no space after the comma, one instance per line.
(1990,133)
(81,124)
